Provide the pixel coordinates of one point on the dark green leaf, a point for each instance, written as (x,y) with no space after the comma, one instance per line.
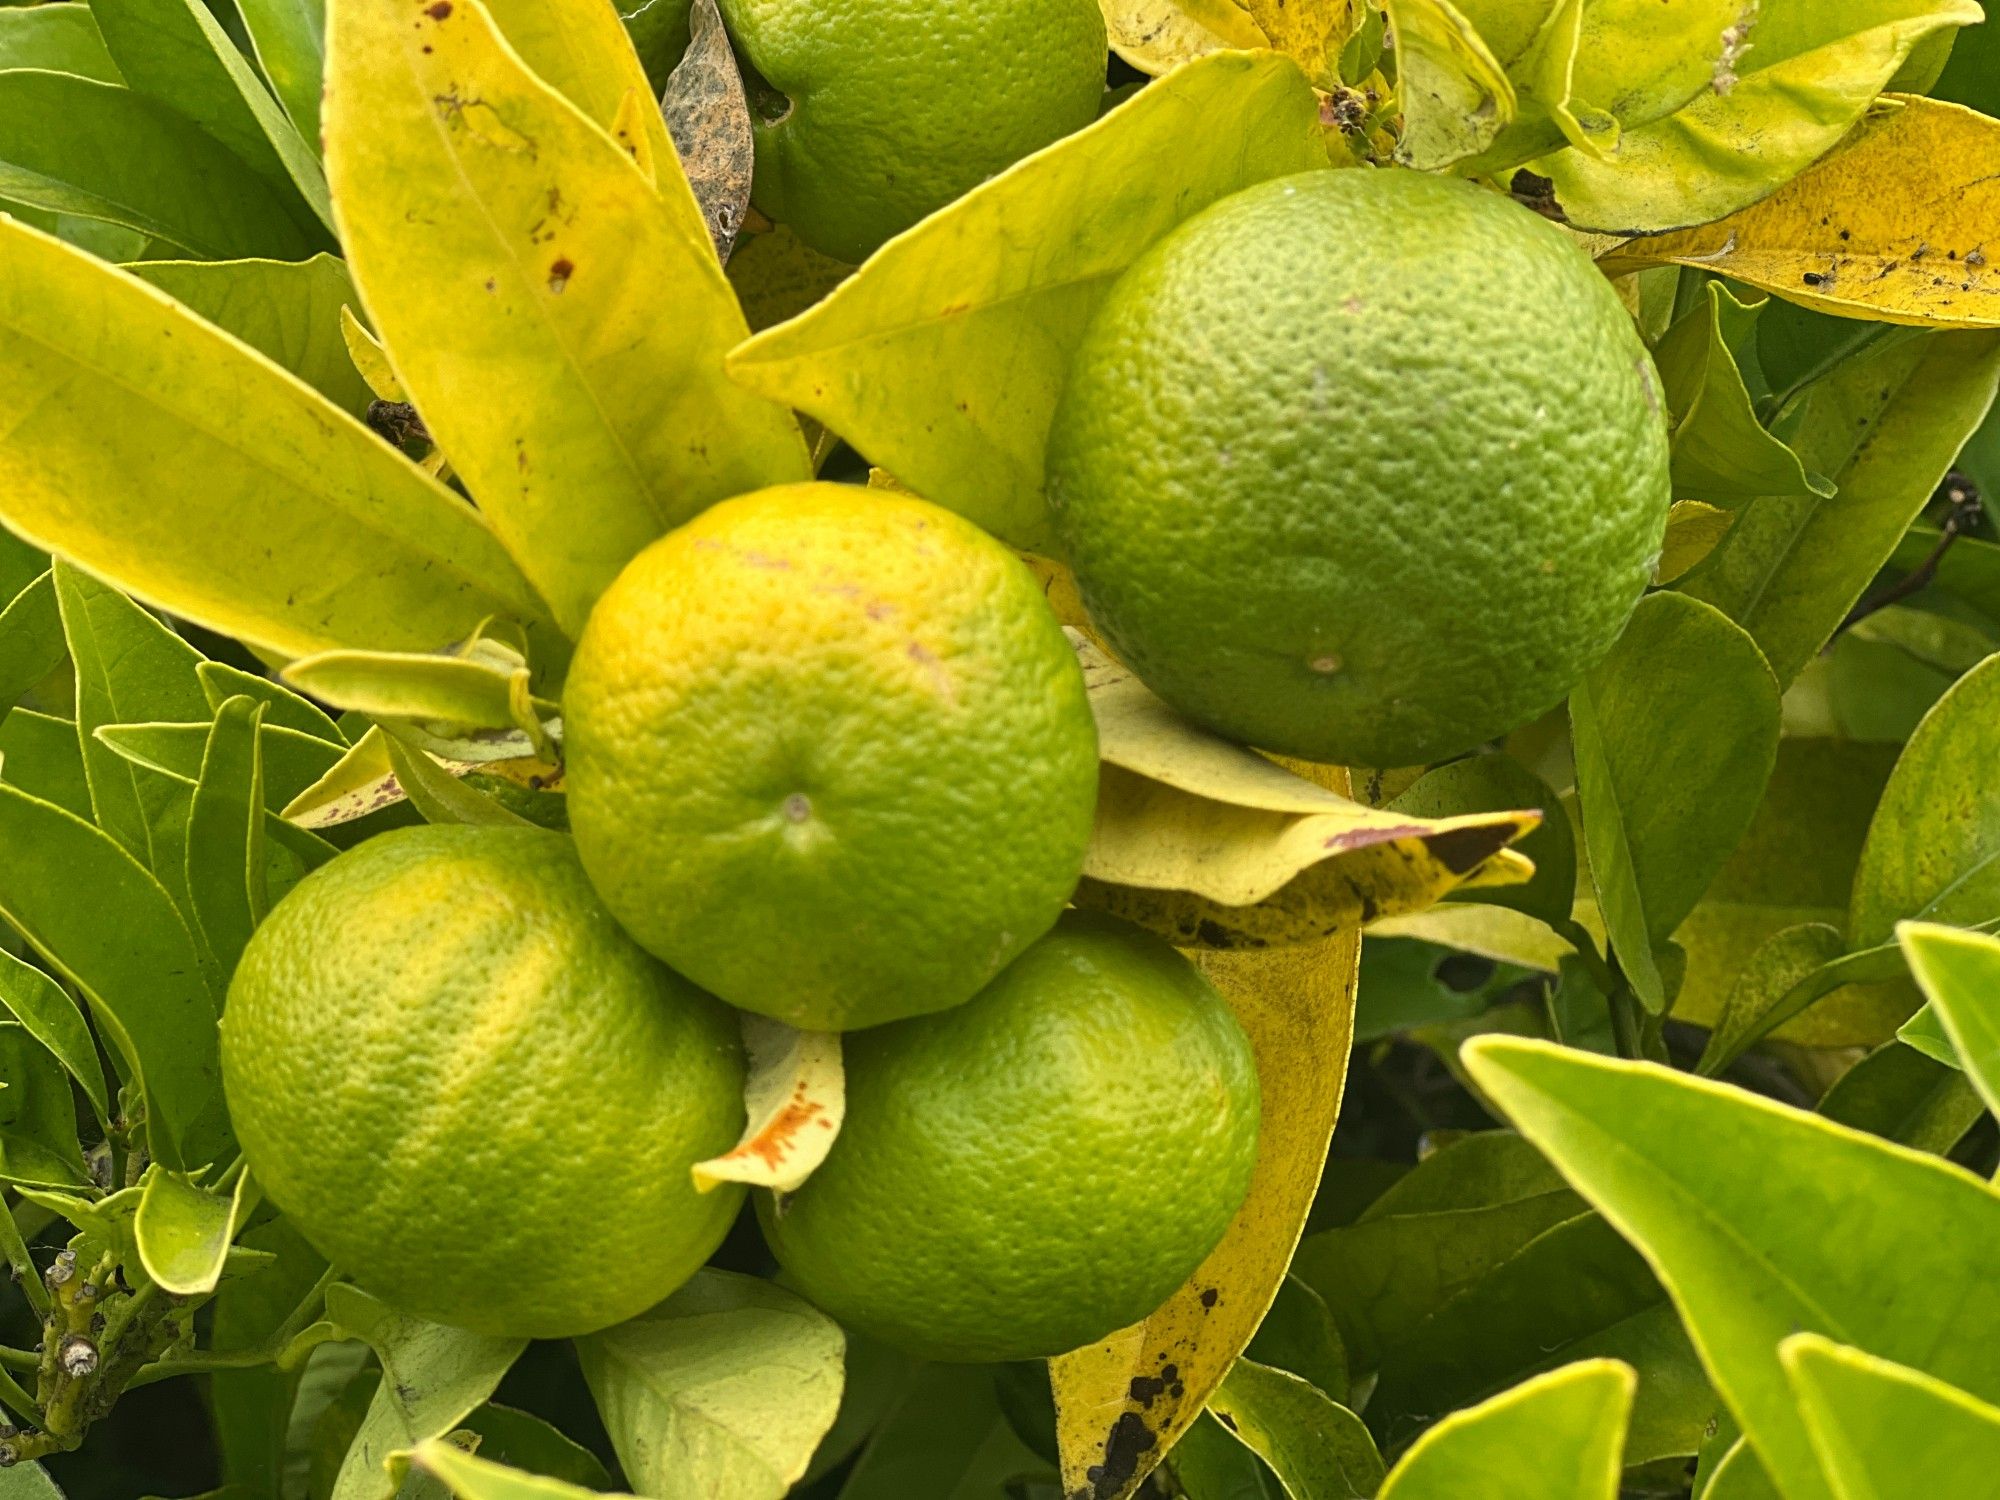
(948,1439)
(42,757)
(1898,1093)
(31,635)
(228,890)
(290,40)
(38,1144)
(1318,1449)
(56,39)
(48,1013)
(1299,1335)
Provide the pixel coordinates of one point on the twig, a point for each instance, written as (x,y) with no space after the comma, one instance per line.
(18,1401)
(1963,497)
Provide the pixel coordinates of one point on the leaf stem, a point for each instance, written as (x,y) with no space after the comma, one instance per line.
(19,1359)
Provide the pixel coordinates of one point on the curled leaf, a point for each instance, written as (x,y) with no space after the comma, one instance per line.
(1896,225)
(795,1098)
(1157,36)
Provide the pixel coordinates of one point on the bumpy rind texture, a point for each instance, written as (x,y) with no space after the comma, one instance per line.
(1362,466)
(830,755)
(1022,1175)
(468,1088)
(896,107)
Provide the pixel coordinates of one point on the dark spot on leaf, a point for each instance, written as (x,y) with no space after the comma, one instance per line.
(438,11)
(1226,1420)
(1129,1440)
(1812,278)
(1144,1389)
(1210,1297)
(1463,850)
(559,274)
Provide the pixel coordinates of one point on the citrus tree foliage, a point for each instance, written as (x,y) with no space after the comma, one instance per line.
(1675,1030)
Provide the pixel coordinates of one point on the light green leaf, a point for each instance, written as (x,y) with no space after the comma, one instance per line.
(287,311)
(227,889)
(431,1377)
(1740,1476)
(1787,79)
(472,1478)
(1883,1430)
(1933,850)
(46,1011)
(184,1230)
(289,37)
(1763,1221)
(723,1389)
(492,229)
(1904,1095)
(943,357)
(1454,96)
(283,708)
(440,796)
(1556,1437)
(1925,1033)
(1577,1291)
(38,1144)
(1676,732)
(1886,425)
(1721,452)
(1439,1230)
(56,39)
(1959,973)
(1794,967)
(44,759)
(1318,1449)
(1499,783)
(141,975)
(32,644)
(292,761)
(175,51)
(28,1482)
(267,513)
(129,667)
(479,690)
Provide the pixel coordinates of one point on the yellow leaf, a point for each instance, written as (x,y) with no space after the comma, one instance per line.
(1157,36)
(943,356)
(1899,225)
(370,358)
(1214,846)
(1310,32)
(1122,1403)
(795,1098)
(777,275)
(1693,529)
(1455,96)
(541,302)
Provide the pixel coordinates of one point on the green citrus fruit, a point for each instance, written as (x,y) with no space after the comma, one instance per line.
(829,755)
(1361,466)
(467,1087)
(873,113)
(1047,1163)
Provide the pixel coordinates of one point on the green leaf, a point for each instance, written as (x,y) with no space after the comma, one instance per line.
(522,1441)
(1439,1230)
(584,407)
(1455,97)
(45,1009)
(1902,1095)
(1499,783)
(1794,967)
(283,708)
(58,877)
(38,1144)
(1299,1336)
(1959,973)
(440,796)
(184,1230)
(56,39)
(287,311)
(1209,1464)
(1721,452)
(949,1440)
(124,159)
(1886,425)
(1556,1437)
(253,1406)
(268,514)
(129,668)
(471,1478)
(723,1389)
(1577,1291)
(1924,1032)
(1786,82)
(292,761)
(31,635)
(1740,1476)
(1883,1430)
(289,38)
(1763,1221)
(431,1377)
(475,690)
(943,357)
(44,759)
(1933,850)
(175,51)
(1675,733)
(227,885)
(1318,1449)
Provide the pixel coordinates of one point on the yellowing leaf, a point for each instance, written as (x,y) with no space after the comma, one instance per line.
(158,452)
(1455,97)
(1215,846)
(370,358)
(777,275)
(942,358)
(1157,36)
(541,303)
(1896,225)
(1121,1403)
(1310,32)
(1693,529)
(795,1098)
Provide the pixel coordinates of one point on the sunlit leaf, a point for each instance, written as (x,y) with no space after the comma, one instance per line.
(1157,36)
(1883,1429)
(1318,1449)
(1454,96)
(1960,976)
(794,1097)
(1556,1437)
(184,1230)
(289,37)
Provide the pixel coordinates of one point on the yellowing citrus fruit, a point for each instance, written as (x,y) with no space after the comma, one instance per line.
(1047,1163)
(467,1087)
(829,755)
(1361,466)
(873,113)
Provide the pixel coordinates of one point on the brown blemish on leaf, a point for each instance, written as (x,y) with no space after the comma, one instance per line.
(560,272)
(1130,1439)
(438,11)
(774,1143)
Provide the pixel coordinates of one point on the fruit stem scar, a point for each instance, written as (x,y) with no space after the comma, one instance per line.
(798,807)
(1325,665)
